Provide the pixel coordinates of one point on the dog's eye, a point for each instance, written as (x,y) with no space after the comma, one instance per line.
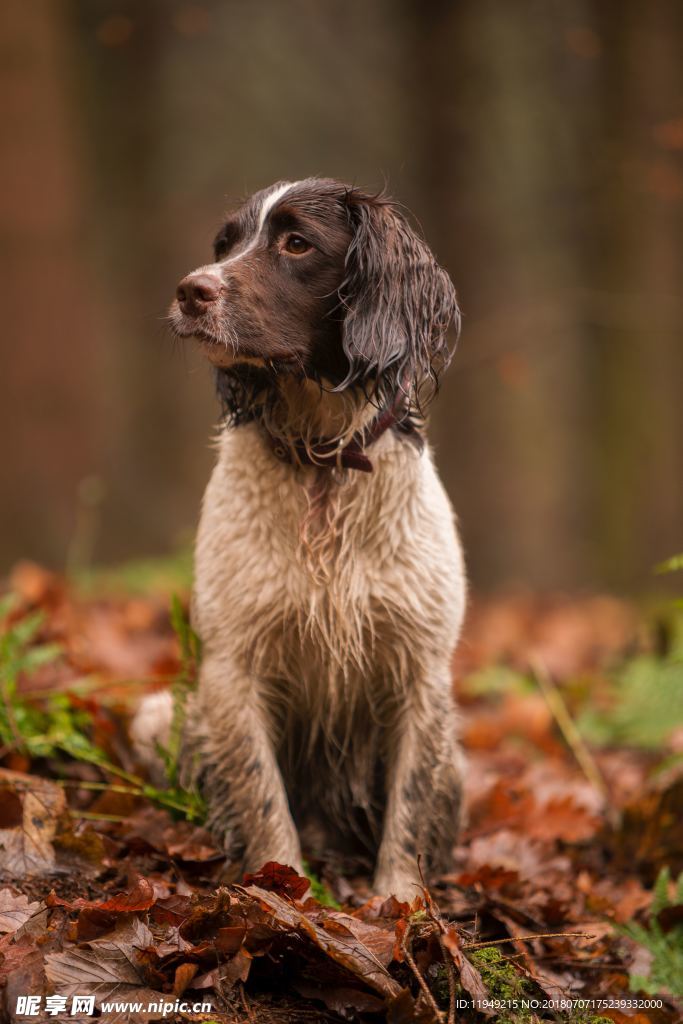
(296,244)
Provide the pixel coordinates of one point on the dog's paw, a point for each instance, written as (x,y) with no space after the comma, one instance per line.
(151,726)
(404,886)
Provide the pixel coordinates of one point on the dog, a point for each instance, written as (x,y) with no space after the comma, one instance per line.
(329,582)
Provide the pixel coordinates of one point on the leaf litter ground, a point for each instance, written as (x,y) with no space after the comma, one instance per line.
(563,887)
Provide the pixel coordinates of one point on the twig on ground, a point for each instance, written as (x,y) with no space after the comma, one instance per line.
(567,726)
(435,917)
(245,1003)
(528,938)
(438,1016)
(93,816)
(448,960)
(82,784)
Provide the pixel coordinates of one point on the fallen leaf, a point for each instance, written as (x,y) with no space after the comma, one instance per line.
(563,818)
(280,878)
(470,978)
(379,941)
(106,968)
(141,897)
(403,1009)
(344,1000)
(349,952)
(14,910)
(26,844)
(183,976)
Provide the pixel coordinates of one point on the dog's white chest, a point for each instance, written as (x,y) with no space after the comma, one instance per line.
(306,591)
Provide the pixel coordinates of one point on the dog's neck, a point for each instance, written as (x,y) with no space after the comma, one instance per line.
(306,422)
(304,408)
(291,405)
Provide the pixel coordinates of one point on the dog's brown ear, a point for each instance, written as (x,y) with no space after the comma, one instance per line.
(399,304)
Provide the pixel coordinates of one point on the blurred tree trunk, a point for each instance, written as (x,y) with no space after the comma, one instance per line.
(121,48)
(52,354)
(509,441)
(634,291)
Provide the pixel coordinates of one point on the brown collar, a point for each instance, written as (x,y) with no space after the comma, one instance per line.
(332,454)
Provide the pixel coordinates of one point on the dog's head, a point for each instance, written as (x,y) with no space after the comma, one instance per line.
(320,279)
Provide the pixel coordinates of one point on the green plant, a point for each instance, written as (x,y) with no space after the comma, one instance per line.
(164,574)
(507,984)
(498,681)
(54,725)
(504,982)
(182,686)
(646,693)
(38,732)
(673,564)
(665,944)
(319,890)
(646,702)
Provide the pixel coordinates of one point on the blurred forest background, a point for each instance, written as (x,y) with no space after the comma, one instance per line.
(538,143)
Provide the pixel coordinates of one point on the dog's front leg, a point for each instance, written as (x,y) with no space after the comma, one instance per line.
(424,792)
(228,747)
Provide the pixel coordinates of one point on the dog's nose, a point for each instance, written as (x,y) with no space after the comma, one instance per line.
(196,292)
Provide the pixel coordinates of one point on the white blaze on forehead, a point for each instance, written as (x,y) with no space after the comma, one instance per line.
(267,204)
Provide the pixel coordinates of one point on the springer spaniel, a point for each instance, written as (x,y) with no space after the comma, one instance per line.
(329,584)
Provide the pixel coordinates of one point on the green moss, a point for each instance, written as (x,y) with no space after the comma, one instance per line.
(503,982)
(319,890)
